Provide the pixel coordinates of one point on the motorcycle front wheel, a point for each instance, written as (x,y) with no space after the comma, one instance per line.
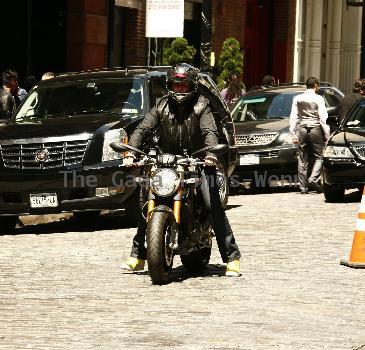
(197,260)
(159,255)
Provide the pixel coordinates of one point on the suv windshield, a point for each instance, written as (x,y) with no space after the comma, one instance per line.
(356,118)
(123,96)
(263,107)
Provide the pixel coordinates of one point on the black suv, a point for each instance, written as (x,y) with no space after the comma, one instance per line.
(55,155)
(344,156)
(267,151)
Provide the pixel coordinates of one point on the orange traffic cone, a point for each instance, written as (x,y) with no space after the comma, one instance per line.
(357,255)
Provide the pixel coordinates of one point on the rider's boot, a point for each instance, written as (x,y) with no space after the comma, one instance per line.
(133,264)
(233,268)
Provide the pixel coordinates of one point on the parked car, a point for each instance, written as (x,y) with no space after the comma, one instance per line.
(55,155)
(344,156)
(265,145)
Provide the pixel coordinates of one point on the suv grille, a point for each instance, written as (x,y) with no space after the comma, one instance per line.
(359,151)
(55,154)
(255,139)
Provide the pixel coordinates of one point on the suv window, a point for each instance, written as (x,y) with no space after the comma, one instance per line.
(331,98)
(157,89)
(266,106)
(123,96)
(356,118)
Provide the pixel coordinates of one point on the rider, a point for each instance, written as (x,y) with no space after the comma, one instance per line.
(185,122)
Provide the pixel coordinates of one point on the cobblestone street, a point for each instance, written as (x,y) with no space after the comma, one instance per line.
(61,286)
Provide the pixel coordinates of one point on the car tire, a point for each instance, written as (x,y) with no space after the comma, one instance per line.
(8,223)
(333,194)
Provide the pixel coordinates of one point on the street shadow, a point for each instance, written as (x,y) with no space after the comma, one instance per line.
(232,206)
(180,273)
(64,225)
(264,190)
(352,197)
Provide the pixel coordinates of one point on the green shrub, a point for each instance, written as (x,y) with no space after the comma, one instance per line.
(229,61)
(179,51)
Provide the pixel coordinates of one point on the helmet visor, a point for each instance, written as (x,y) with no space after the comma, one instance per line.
(181,86)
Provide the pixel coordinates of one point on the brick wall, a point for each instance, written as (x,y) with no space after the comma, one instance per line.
(228,21)
(136,43)
(87,34)
(291,39)
(284,36)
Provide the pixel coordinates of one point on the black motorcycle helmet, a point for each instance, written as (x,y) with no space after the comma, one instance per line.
(182,82)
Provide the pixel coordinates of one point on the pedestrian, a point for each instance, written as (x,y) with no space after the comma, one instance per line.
(349,100)
(268,80)
(11,85)
(233,90)
(48,75)
(184,121)
(29,82)
(7,105)
(308,126)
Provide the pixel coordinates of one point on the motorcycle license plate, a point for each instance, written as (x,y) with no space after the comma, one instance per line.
(43,200)
(249,159)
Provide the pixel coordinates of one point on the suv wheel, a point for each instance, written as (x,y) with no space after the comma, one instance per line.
(333,194)
(8,223)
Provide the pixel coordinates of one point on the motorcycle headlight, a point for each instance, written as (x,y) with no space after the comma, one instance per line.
(337,152)
(118,136)
(165,182)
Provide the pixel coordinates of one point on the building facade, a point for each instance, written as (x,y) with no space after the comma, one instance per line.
(328,42)
(290,39)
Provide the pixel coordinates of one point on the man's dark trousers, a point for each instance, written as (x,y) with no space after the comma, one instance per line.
(311,144)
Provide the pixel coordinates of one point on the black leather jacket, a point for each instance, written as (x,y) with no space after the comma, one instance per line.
(7,105)
(190,126)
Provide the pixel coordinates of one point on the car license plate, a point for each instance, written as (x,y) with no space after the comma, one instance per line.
(43,200)
(249,159)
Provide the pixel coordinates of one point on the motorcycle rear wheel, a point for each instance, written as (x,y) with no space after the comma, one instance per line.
(196,261)
(159,255)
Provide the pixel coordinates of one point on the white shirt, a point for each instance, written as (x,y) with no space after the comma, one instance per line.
(309,110)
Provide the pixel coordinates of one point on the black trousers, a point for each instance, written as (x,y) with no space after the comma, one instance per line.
(225,239)
(311,144)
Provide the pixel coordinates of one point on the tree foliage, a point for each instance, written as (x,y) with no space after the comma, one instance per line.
(179,51)
(229,61)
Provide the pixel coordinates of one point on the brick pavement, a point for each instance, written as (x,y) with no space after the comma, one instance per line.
(61,287)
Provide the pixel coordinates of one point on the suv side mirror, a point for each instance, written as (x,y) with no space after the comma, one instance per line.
(332,110)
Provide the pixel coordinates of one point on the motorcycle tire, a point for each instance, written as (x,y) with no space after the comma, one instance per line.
(159,255)
(196,261)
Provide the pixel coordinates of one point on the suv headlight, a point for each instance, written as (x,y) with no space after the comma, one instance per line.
(337,152)
(288,140)
(165,182)
(116,135)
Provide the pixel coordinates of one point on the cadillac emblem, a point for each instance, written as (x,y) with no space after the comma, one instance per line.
(41,155)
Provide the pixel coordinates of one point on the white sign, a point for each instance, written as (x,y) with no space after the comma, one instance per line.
(165,18)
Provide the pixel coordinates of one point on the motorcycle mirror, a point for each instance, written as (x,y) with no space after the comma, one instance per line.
(122,147)
(217,150)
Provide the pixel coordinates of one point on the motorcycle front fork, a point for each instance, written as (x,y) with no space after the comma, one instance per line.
(176,206)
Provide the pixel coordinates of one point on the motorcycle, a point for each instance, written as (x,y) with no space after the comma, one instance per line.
(177,223)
